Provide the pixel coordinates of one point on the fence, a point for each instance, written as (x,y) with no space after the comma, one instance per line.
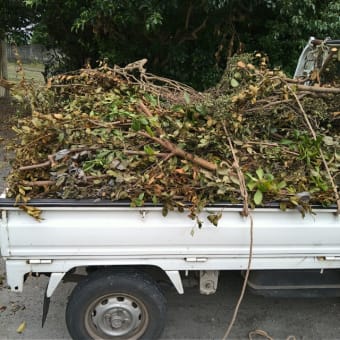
(27,53)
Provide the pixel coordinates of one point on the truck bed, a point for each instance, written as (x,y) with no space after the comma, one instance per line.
(76,234)
(84,228)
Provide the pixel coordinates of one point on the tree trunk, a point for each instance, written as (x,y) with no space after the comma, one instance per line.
(4,92)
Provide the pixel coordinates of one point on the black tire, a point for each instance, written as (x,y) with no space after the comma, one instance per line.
(116,305)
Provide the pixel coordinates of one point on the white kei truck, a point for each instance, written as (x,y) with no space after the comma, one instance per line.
(117,253)
(125,250)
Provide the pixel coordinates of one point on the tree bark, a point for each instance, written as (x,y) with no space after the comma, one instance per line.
(4,91)
(318,89)
(176,151)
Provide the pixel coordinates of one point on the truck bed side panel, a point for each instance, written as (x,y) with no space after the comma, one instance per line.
(107,232)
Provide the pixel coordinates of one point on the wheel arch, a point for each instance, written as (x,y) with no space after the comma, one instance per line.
(157,273)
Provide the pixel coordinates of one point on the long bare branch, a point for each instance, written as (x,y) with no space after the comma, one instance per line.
(318,89)
(176,151)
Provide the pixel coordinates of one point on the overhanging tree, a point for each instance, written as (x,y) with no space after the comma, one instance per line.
(188,40)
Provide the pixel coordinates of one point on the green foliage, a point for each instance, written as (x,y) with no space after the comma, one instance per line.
(263,183)
(14,20)
(184,40)
(289,25)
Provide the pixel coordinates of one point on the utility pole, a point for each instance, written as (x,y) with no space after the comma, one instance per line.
(4,92)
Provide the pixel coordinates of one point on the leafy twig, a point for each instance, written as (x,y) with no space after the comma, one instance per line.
(334,186)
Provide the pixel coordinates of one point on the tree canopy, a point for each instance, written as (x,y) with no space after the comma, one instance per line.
(189,40)
(15,17)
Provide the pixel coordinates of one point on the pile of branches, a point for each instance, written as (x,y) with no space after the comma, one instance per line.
(123,134)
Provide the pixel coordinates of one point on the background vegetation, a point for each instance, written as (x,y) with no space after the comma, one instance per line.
(188,40)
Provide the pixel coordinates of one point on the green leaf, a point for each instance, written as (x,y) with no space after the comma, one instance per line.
(251,177)
(149,150)
(281,185)
(237,75)
(260,173)
(235,180)
(61,137)
(36,122)
(187,98)
(149,131)
(152,100)
(165,211)
(112,173)
(201,109)
(328,140)
(251,185)
(136,125)
(214,218)
(138,202)
(258,197)
(144,121)
(60,181)
(234,82)
(223,171)
(286,141)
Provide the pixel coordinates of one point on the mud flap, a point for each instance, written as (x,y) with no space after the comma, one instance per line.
(46,307)
(53,283)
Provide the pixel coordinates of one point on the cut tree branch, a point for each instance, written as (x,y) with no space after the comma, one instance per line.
(50,182)
(193,34)
(176,151)
(142,153)
(35,166)
(318,89)
(188,16)
(38,183)
(51,160)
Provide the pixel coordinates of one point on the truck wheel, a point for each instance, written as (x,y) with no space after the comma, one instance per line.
(116,305)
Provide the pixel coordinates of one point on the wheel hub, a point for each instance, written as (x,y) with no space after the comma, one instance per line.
(117,316)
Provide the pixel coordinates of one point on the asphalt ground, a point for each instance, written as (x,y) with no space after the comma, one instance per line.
(189,316)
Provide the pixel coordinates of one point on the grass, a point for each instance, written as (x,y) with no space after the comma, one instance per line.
(32,72)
